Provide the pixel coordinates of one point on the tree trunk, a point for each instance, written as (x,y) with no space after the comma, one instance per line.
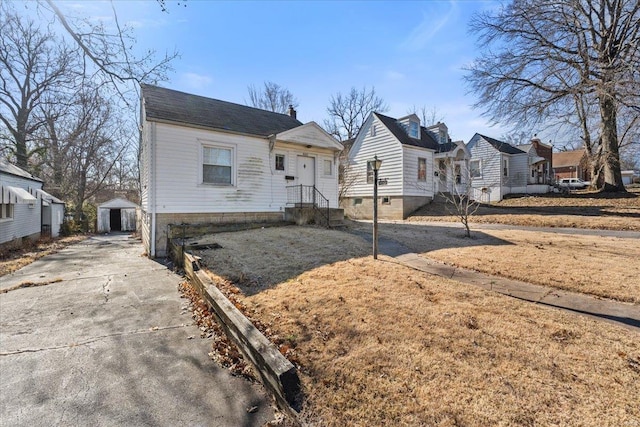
(610,156)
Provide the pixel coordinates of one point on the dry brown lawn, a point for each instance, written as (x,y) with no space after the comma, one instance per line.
(607,267)
(585,209)
(381,344)
(14,259)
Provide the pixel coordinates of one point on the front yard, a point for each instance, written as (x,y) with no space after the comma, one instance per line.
(381,344)
(584,209)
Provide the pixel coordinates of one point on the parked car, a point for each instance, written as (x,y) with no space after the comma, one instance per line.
(573,183)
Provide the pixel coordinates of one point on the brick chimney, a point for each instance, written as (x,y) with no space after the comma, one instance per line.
(292,112)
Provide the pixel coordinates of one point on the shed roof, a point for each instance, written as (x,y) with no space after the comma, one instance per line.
(568,158)
(180,107)
(10,169)
(117,203)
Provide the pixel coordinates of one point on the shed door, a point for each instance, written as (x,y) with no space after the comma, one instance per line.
(306,170)
(114,218)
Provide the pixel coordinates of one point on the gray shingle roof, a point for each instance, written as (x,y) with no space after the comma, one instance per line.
(180,107)
(10,169)
(425,141)
(503,147)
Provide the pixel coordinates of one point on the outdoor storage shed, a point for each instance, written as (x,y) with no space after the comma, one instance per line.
(117,215)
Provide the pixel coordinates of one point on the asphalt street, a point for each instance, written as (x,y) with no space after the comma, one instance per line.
(105,340)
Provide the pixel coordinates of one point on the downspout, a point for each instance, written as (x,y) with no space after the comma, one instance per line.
(152,187)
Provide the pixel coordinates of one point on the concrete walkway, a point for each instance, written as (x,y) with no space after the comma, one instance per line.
(620,313)
(109,342)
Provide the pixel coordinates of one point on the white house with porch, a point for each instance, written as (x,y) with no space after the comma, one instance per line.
(205,160)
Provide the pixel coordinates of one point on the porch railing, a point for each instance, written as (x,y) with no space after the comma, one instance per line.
(309,196)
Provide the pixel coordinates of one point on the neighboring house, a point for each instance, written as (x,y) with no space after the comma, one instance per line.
(52,214)
(627,177)
(26,211)
(571,164)
(540,161)
(497,168)
(116,215)
(204,161)
(417,163)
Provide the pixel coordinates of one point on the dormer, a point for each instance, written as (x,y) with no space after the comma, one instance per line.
(441,132)
(411,125)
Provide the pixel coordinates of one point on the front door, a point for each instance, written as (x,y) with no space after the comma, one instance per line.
(306,171)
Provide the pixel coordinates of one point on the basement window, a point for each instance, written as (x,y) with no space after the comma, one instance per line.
(386,200)
(357,201)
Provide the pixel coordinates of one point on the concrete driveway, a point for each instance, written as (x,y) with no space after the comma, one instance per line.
(106,343)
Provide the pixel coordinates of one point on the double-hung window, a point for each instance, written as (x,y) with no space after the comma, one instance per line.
(217,165)
(6,211)
(328,166)
(422,169)
(505,167)
(474,169)
(280,162)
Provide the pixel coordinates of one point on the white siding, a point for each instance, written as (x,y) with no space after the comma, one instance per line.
(57,218)
(487,187)
(413,187)
(518,173)
(257,187)
(145,164)
(26,220)
(388,149)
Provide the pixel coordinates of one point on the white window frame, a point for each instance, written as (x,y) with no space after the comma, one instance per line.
(479,169)
(370,173)
(284,163)
(326,162)
(219,146)
(423,178)
(373,130)
(505,167)
(7,211)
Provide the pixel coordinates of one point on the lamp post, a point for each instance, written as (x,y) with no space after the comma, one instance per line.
(375,165)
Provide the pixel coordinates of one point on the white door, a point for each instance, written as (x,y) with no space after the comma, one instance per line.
(306,170)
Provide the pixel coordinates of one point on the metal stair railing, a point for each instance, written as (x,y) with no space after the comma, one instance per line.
(309,195)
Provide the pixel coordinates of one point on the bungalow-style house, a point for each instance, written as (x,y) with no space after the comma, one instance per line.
(205,160)
(26,211)
(571,164)
(540,161)
(496,168)
(417,163)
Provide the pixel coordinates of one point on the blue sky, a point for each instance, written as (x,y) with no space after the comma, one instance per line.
(411,52)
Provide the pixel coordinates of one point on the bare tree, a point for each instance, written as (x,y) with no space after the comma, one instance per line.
(544,59)
(347,113)
(461,200)
(428,115)
(35,68)
(110,51)
(272,97)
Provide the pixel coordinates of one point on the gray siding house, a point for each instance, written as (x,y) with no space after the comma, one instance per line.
(496,168)
(26,211)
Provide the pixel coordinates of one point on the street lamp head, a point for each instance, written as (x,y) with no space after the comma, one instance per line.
(376,163)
